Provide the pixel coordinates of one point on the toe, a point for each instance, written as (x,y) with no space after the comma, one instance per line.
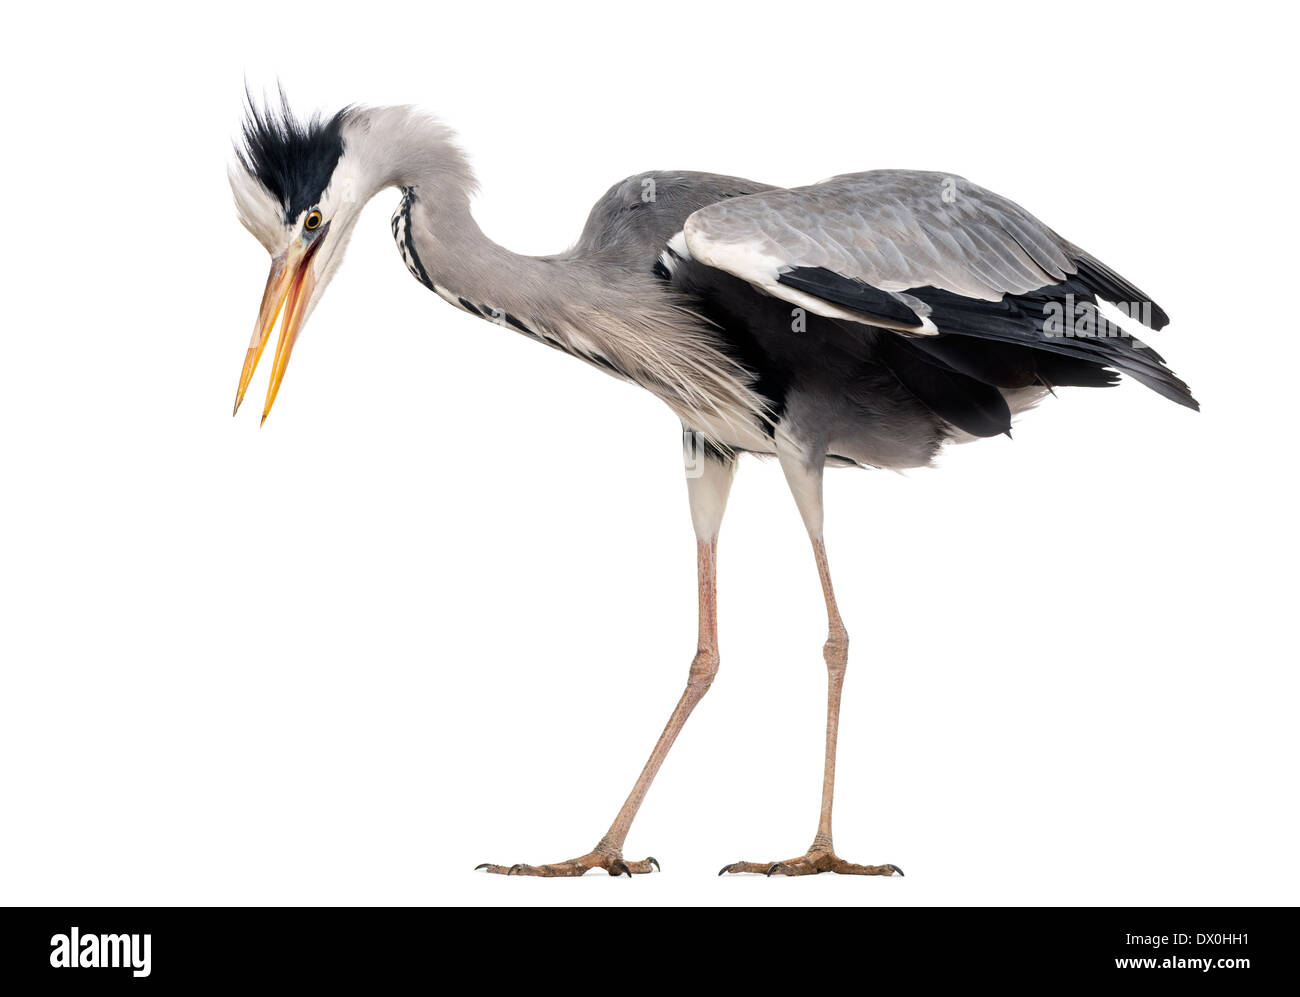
(798,867)
(763,868)
(843,868)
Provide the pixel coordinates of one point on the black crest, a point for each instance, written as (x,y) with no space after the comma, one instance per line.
(292,159)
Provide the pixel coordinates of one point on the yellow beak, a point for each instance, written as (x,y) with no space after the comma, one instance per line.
(289,286)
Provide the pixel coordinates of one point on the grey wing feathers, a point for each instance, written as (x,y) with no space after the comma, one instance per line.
(894,230)
(930,255)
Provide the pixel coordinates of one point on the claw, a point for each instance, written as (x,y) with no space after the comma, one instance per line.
(482,865)
(511,870)
(654,862)
(725,869)
(773,868)
(622,868)
(895,868)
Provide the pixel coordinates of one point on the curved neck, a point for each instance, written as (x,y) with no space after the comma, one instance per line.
(458,256)
(398,147)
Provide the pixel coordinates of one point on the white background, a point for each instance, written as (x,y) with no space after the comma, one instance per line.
(437,610)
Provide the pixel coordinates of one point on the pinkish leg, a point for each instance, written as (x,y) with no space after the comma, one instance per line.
(805,483)
(708,494)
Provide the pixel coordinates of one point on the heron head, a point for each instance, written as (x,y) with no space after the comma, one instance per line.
(300,187)
(298,191)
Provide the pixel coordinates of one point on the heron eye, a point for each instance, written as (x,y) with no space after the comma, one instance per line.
(313,221)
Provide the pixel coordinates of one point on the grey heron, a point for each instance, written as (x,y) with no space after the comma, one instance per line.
(866,320)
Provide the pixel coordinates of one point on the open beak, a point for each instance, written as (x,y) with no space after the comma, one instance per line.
(289,288)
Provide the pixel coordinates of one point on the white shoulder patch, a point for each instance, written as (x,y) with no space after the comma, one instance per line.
(748,261)
(760,264)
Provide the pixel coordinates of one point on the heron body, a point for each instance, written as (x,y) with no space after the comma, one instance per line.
(865,320)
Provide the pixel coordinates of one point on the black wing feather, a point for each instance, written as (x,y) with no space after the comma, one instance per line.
(1106,284)
(847,293)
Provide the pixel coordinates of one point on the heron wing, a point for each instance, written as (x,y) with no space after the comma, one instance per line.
(932,256)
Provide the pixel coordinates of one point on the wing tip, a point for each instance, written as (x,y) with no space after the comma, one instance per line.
(1108,285)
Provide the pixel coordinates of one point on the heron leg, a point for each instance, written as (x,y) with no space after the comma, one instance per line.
(708,484)
(804,474)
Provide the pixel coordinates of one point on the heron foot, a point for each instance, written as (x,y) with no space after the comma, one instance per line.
(613,863)
(816,860)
